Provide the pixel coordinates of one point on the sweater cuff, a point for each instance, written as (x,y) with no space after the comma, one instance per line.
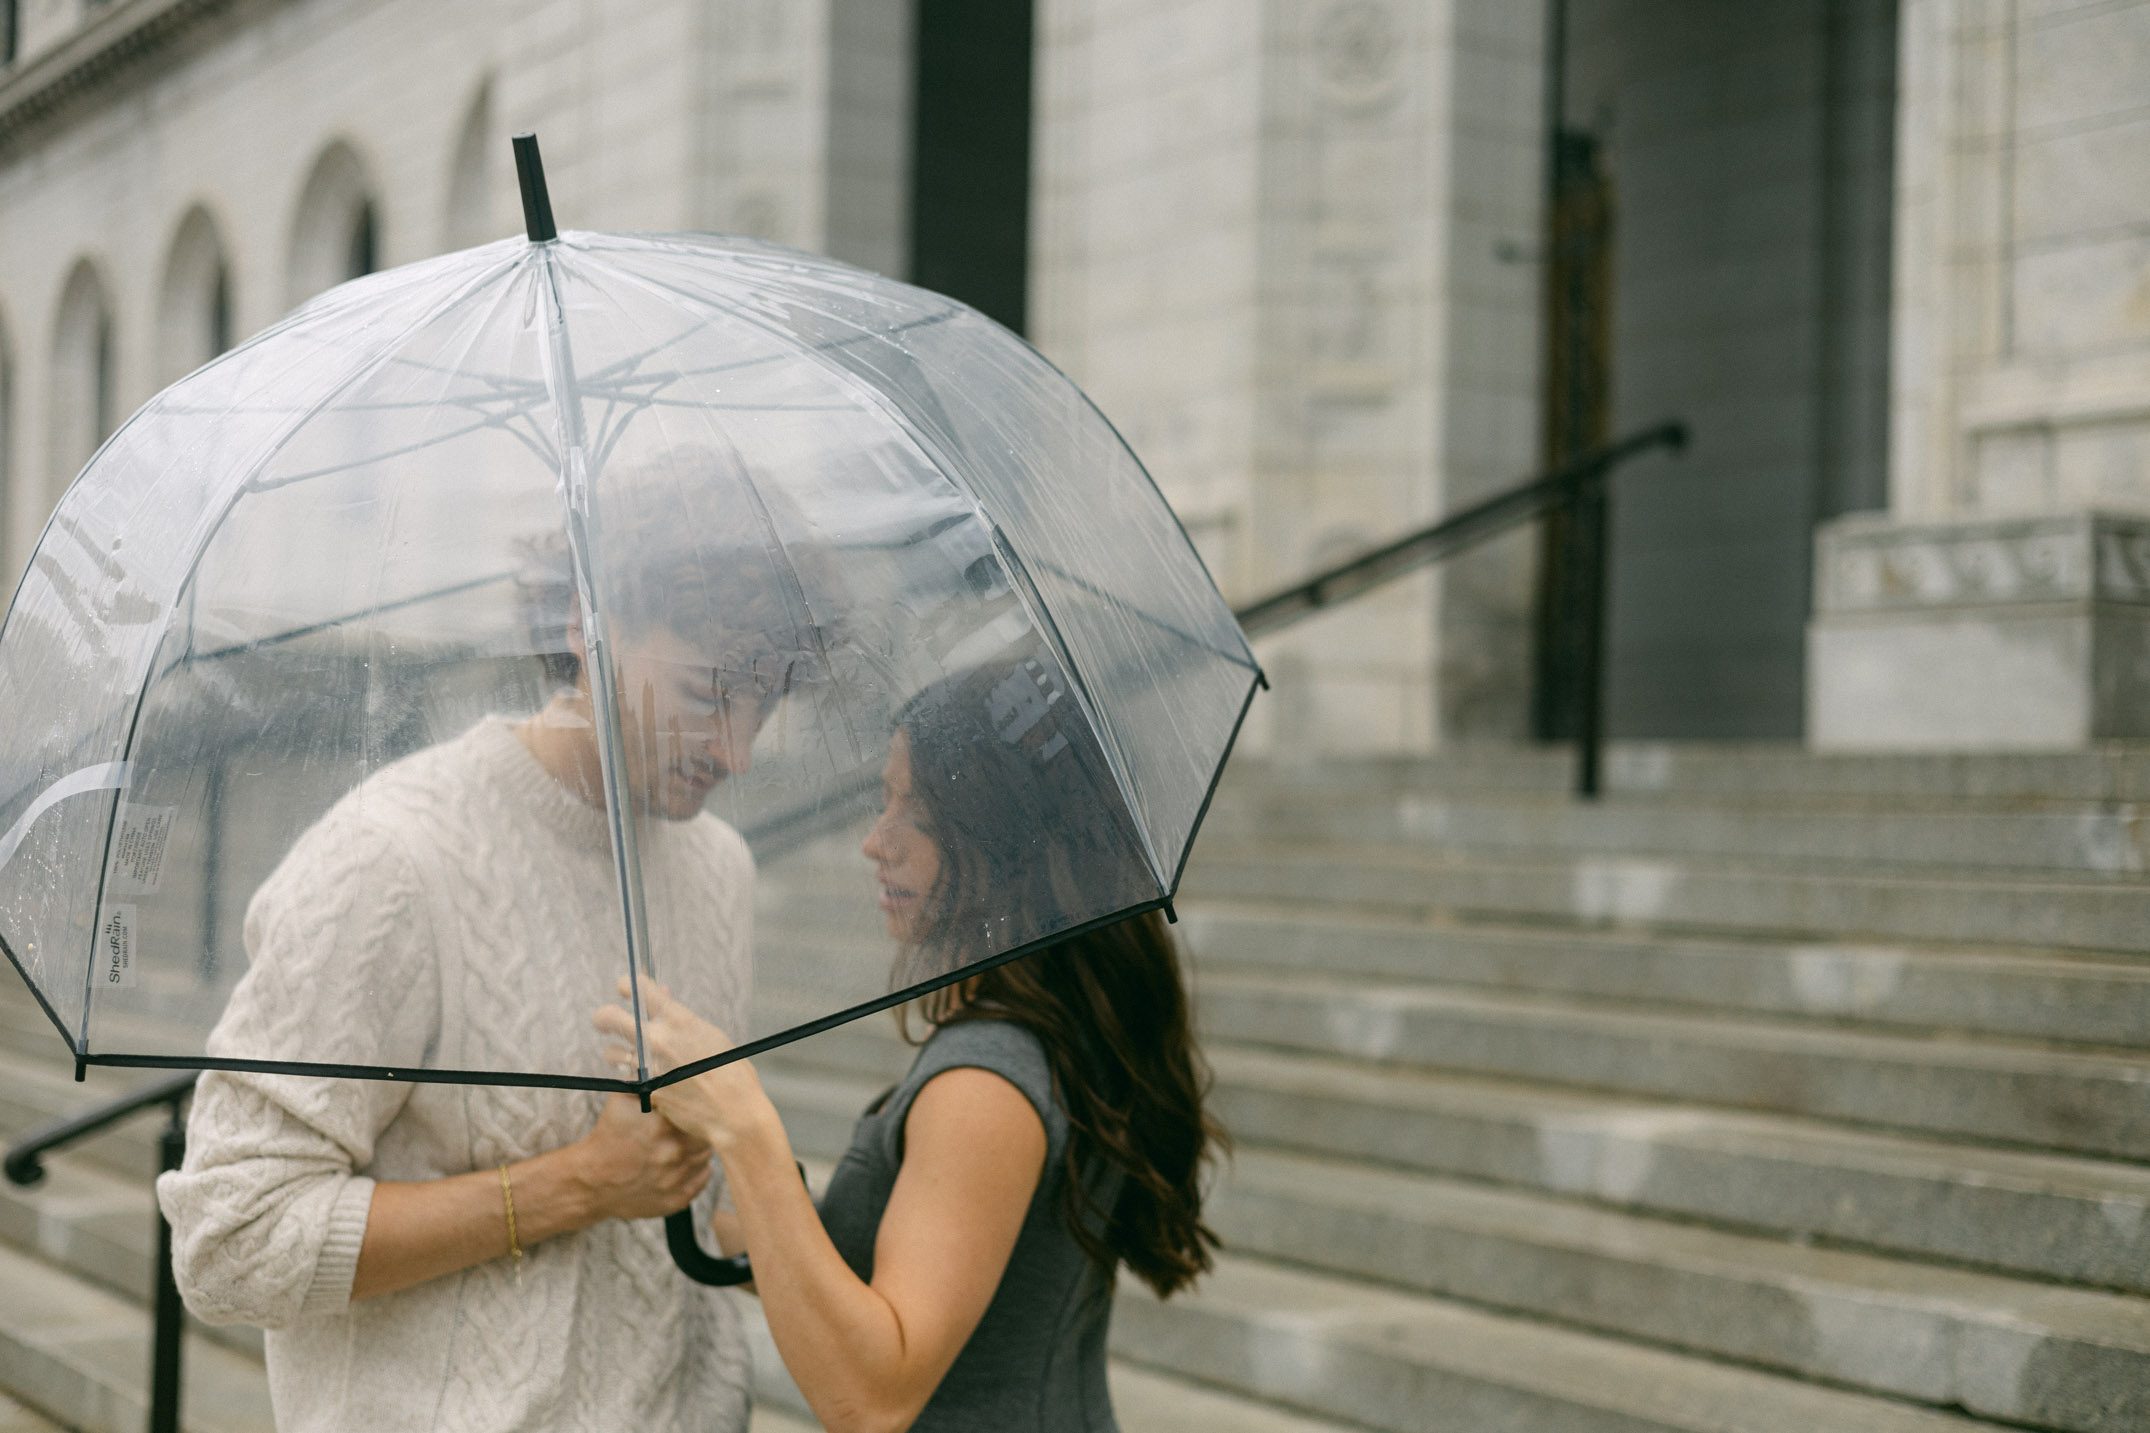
(337,1264)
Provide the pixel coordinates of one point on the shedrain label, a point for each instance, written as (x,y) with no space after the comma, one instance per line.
(115,947)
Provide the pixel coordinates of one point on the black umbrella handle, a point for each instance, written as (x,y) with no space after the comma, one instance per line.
(701,1266)
(694,1262)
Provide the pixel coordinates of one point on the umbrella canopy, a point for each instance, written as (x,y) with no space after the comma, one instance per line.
(765,515)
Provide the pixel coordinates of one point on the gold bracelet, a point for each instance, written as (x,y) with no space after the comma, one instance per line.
(507,1197)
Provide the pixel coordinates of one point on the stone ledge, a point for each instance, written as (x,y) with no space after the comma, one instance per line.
(2026,633)
(92,56)
(1869,563)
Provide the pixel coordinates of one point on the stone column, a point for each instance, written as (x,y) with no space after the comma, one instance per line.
(1278,243)
(2002,601)
(762,121)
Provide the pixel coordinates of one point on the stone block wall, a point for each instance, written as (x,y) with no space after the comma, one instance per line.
(2020,404)
(1270,244)
(2022,362)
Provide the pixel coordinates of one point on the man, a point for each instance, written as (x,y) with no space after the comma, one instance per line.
(437,1256)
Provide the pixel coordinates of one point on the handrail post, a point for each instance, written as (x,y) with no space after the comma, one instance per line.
(1590,557)
(170,1312)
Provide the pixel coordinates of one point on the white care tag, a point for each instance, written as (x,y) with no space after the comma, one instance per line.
(115,947)
(138,849)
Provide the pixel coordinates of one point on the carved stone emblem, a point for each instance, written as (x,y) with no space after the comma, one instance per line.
(1358,51)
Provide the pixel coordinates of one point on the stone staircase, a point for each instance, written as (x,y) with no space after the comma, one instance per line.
(1774,1092)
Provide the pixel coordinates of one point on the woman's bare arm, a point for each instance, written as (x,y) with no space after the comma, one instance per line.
(866,1355)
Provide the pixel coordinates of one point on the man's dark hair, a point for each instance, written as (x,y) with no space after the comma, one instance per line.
(686,542)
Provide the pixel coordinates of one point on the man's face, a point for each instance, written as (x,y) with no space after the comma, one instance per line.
(689,721)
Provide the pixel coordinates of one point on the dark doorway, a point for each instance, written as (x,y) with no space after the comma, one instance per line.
(970,166)
(1742,286)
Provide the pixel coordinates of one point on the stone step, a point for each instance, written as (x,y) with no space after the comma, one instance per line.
(1660,893)
(2076,1101)
(869,1048)
(22,1023)
(80,1356)
(1143,1401)
(87,1220)
(1345,1349)
(2048,1216)
(2023,994)
(2082,1101)
(1886,1325)
(1889,1326)
(100,1227)
(14,1418)
(819,1108)
(1760,771)
(2113,840)
(2026,993)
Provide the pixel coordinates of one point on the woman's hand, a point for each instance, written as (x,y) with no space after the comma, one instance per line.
(719,1107)
(637,1166)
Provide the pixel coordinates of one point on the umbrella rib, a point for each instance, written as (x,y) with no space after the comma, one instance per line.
(1106,595)
(1115,759)
(240,649)
(258,486)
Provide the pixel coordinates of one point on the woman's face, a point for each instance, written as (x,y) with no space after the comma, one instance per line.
(906,862)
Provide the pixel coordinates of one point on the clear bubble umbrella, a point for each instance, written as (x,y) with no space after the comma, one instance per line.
(768,516)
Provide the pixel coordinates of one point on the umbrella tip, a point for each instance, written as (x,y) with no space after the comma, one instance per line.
(537,203)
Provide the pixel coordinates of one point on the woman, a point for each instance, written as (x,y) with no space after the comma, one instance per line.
(959,1272)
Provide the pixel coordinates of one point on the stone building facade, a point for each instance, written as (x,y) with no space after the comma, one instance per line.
(1887,258)
(2004,596)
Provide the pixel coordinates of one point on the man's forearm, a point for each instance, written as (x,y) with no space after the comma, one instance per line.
(425,1229)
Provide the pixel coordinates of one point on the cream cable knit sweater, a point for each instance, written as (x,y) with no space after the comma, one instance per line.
(456,910)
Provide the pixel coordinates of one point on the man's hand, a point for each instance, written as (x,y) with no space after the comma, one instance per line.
(629,1166)
(637,1166)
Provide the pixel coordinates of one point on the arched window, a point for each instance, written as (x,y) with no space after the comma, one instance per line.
(336,233)
(84,406)
(194,319)
(470,181)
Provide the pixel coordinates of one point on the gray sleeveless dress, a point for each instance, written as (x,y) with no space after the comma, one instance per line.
(1037,1359)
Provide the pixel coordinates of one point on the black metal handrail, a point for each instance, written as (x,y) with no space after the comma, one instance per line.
(1579,483)
(25,1165)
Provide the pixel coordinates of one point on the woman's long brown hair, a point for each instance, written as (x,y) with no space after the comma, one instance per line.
(1033,836)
